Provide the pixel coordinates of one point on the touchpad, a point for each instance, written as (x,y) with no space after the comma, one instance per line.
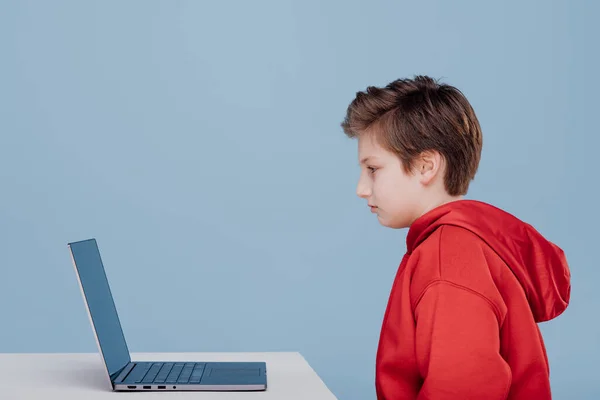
(234,371)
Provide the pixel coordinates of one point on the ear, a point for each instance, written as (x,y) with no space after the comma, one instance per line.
(430,164)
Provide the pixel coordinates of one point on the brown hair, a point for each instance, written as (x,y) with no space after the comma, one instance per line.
(410,116)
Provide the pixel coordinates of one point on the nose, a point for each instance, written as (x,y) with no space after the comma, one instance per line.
(363,190)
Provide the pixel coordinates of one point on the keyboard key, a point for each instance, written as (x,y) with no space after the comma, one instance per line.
(152,372)
(163,373)
(197,374)
(198,370)
(139,371)
(185,375)
(174,374)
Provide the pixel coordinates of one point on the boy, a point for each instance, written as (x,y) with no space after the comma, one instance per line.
(461,318)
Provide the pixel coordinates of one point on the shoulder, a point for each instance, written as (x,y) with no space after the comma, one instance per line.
(448,250)
(456,256)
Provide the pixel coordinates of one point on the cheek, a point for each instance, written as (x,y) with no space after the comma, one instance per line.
(393,193)
(387,191)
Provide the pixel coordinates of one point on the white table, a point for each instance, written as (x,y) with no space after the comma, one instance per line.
(82,376)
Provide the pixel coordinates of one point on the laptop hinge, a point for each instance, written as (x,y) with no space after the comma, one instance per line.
(121,374)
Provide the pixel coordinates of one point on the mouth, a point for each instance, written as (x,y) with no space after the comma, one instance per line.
(373,208)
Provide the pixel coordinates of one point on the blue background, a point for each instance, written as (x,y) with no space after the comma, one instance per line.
(199,142)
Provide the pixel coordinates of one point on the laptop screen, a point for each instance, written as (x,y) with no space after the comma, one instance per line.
(101,306)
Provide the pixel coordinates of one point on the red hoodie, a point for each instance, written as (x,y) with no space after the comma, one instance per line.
(461,317)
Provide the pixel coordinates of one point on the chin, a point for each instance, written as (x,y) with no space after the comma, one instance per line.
(392,224)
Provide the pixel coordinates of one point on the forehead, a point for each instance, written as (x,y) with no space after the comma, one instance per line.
(369,149)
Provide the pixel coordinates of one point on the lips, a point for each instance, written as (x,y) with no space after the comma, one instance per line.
(373,208)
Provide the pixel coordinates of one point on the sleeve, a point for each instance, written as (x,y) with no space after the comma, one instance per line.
(458,345)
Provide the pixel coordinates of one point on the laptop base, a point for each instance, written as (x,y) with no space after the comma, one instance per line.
(192,376)
(189,387)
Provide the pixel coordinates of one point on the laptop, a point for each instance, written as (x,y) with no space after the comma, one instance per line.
(127,375)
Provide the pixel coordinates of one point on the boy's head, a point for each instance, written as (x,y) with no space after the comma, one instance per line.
(419,145)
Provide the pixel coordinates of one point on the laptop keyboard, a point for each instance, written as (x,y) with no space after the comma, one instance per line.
(168,372)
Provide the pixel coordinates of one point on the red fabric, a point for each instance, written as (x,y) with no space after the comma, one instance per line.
(461,317)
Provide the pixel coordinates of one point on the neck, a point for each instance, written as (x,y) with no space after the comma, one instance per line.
(444,199)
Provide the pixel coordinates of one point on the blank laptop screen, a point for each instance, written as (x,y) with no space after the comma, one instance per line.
(100,303)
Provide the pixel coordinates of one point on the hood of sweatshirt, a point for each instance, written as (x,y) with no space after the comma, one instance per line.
(539,265)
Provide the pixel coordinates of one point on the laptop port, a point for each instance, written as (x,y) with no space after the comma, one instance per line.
(131,387)
(147,387)
(162,387)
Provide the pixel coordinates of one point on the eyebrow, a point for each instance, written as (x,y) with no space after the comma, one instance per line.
(365,159)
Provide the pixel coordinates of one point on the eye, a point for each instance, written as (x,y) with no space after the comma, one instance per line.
(372,169)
